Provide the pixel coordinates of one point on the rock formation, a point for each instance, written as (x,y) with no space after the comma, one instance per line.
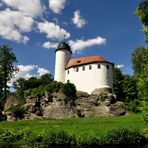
(58,105)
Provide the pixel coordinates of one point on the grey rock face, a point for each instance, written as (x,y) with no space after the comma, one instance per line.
(58,105)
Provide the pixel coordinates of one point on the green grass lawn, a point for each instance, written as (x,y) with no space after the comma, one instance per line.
(80,131)
(79,126)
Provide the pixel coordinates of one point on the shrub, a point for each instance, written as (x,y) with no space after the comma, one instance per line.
(17,111)
(134,106)
(123,136)
(68,89)
(7,135)
(58,138)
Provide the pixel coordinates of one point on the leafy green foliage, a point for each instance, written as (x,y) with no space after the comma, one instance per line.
(134,106)
(46,79)
(118,83)
(142,12)
(123,137)
(130,88)
(17,111)
(69,89)
(47,138)
(140,67)
(7,68)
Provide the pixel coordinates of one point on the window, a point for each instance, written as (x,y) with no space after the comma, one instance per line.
(99,66)
(90,67)
(83,68)
(68,72)
(79,61)
(77,69)
(107,66)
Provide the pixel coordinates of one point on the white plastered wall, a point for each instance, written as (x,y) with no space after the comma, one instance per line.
(89,80)
(62,57)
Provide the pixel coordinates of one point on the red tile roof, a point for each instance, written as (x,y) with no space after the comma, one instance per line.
(85,60)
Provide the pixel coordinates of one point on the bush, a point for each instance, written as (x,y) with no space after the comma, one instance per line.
(58,138)
(9,136)
(17,111)
(68,89)
(134,106)
(123,136)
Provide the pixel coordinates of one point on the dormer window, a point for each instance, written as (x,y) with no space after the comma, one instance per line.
(79,61)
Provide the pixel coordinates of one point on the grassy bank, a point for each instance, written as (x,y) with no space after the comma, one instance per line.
(78,130)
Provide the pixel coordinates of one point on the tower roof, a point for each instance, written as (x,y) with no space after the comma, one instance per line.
(63,46)
(85,60)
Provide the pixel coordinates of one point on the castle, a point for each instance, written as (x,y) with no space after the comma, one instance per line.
(86,73)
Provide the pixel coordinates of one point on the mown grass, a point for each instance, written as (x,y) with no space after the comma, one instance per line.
(77,126)
(79,131)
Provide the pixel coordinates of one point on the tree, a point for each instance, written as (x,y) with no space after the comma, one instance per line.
(129,88)
(7,68)
(139,60)
(46,79)
(142,76)
(31,83)
(142,12)
(19,85)
(140,67)
(118,83)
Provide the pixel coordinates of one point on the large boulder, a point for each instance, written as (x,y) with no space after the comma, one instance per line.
(117,109)
(11,102)
(61,107)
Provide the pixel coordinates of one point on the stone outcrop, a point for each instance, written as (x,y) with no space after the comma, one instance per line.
(58,105)
(117,109)
(11,101)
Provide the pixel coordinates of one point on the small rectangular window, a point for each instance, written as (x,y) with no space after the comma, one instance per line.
(107,66)
(77,69)
(90,67)
(83,68)
(68,72)
(99,66)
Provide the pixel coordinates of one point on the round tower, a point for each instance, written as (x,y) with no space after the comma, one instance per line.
(62,56)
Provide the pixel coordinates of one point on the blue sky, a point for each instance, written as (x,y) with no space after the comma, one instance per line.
(33,28)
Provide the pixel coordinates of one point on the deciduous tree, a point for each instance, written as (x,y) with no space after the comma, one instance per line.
(7,68)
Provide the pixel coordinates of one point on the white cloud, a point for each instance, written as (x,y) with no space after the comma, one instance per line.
(57,5)
(78,20)
(80,45)
(52,30)
(119,66)
(24,71)
(42,71)
(28,71)
(49,45)
(13,23)
(31,8)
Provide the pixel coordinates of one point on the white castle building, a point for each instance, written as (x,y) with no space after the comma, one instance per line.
(86,73)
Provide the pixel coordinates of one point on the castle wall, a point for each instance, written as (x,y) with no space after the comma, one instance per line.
(89,79)
(62,57)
